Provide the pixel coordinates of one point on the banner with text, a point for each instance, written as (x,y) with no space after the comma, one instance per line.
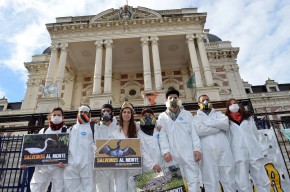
(274,163)
(118,154)
(44,149)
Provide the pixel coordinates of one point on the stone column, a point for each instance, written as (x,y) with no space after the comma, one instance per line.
(34,93)
(25,103)
(146,64)
(194,60)
(233,84)
(156,63)
(239,80)
(31,95)
(108,67)
(97,89)
(204,61)
(52,65)
(61,68)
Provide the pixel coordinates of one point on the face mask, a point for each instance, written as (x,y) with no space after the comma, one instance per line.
(56,119)
(234,108)
(106,117)
(83,118)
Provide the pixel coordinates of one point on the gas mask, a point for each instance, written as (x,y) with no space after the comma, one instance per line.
(56,119)
(147,124)
(106,117)
(147,120)
(205,105)
(173,103)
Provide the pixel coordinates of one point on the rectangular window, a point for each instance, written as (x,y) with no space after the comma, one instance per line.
(286,122)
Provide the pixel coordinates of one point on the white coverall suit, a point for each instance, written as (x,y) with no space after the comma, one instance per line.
(43,175)
(151,153)
(78,175)
(105,178)
(180,139)
(248,156)
(124,179)
(217,160)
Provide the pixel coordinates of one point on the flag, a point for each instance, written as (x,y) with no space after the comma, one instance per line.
(49,90)
(191,84)
(191,81)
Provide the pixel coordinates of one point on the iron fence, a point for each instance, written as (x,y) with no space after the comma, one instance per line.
(11,176)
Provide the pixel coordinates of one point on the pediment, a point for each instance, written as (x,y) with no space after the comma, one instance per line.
(125,13)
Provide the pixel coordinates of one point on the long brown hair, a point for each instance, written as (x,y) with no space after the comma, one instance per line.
(242,110)
(132,130)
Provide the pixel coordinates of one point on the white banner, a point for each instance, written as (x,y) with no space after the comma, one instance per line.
(274,162)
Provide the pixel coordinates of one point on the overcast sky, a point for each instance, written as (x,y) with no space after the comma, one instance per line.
(260,28)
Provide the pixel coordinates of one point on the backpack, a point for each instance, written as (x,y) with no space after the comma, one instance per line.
(92,125)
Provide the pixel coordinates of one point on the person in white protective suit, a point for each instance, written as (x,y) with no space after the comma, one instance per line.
(217,165)
(248,155)
(124,179)
(43,175)
(148,134)
(105,178)
(178,140)
(78,174)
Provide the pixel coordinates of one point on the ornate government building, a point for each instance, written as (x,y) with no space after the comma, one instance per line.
(132,53)
(137,53)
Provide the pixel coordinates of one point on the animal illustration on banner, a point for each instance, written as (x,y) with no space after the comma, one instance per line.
(34,150)
(117,151)
(118,154)
(44,149)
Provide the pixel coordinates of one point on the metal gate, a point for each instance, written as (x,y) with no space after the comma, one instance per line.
(11,177)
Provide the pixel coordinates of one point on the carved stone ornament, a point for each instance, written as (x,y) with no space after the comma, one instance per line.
(125,13)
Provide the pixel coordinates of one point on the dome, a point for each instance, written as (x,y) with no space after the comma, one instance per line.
(47,51)
(213,38)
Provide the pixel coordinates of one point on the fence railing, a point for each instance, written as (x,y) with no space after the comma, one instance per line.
(10,175)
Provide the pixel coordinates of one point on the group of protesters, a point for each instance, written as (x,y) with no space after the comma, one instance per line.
(212,149)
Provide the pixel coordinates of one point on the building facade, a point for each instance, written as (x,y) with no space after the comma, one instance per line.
(133,53)
(136,54)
